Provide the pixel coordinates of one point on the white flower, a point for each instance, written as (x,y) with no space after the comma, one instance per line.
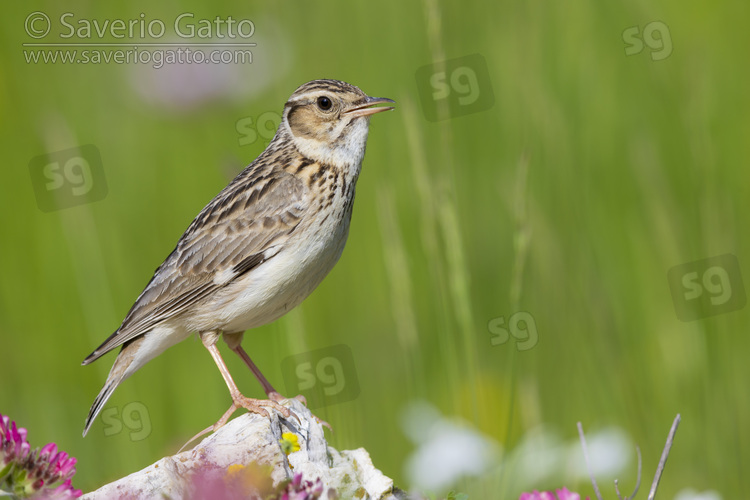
(447,449)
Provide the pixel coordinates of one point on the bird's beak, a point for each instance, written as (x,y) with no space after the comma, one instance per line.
(366,109)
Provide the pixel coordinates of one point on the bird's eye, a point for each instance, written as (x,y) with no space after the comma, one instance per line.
(324,103)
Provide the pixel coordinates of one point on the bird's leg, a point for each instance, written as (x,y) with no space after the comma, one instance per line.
(209,340)
(254,405)
(233,341)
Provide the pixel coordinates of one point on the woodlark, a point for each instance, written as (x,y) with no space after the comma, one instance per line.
(260,247)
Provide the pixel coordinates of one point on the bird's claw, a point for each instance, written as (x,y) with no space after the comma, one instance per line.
(251,405)
(275,396)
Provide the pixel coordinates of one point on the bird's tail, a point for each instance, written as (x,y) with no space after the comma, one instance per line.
(126,363)
(104,394)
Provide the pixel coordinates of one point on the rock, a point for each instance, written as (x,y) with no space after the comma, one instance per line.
(253,438)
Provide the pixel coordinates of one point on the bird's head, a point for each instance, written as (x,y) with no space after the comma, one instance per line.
(328,121)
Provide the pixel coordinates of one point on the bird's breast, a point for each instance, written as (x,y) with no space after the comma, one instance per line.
(284,281)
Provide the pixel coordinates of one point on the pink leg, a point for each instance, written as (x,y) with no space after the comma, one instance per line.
(238,400)
(270,391)
(233,340)
(267,387)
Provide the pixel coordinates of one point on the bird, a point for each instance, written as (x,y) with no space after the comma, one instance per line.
(259,248)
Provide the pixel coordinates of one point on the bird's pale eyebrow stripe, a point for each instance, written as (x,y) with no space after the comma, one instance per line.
(329,86)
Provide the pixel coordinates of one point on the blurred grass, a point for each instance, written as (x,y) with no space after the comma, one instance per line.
(634,166)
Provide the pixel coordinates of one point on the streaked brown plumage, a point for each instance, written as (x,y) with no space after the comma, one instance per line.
(260,247)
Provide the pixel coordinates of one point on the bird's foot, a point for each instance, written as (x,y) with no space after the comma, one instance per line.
(275,396)
(250,404)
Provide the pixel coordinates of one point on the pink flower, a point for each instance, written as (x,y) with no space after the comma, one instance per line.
(302,490)
(563,494)
(13,444)
(536,495)
(63,492)
(24,472)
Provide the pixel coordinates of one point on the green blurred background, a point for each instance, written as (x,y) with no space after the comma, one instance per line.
(588,176)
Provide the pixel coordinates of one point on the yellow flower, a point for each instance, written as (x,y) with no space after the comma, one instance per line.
(253,477)
(234,469)
(289,443)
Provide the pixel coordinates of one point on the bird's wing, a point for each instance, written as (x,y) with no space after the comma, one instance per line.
(245,225)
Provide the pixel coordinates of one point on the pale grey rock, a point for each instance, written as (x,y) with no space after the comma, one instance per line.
(252,438)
